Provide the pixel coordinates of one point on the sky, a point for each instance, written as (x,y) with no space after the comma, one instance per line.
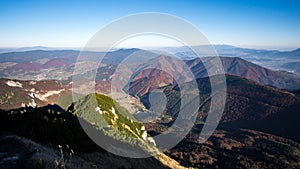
(268,24)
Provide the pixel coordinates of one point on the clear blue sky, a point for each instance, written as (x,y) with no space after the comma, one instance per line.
(61,23)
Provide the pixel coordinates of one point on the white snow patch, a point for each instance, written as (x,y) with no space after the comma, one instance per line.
(32,82)
(44,96)
(144,135)
(32,104)
(32,95)
(14,84)
(113,111)
(151,140)
(98,109)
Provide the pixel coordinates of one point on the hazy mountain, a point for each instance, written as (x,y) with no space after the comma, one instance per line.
(24,49)
(294,54)
(273,59)
(240,67)
(292,66)
(233,51)
(33,55)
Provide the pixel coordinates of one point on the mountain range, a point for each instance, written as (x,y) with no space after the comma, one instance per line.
(258,128)
(273,59)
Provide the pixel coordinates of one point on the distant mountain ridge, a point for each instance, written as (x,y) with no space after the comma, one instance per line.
(232,66)
(44,64)
(240,67)
(273,59)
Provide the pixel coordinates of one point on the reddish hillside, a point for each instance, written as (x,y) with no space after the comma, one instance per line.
(28,66)
(58,62)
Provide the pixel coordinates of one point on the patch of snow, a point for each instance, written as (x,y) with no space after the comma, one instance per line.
(144,135)
(32,104)
(32,95)
(32,82)
(44,97)
(137,130)
(14,84)
(151,140)
(98,109)
(113,111)
(32,89)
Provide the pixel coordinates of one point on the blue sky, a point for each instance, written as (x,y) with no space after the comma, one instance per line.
(271,24)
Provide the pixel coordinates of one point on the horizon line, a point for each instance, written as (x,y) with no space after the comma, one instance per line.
(28,48)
